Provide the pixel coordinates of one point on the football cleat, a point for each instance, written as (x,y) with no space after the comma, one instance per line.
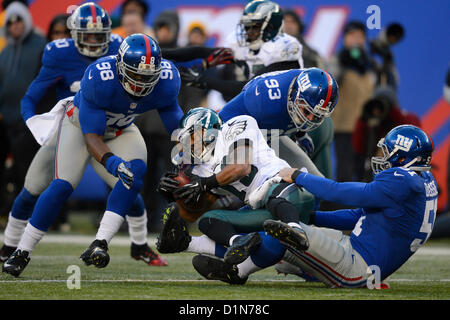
(174,236)
(242,247)
(16,263)
(6,252)
(293,238)
(146,254)
(213,268)
(96,254)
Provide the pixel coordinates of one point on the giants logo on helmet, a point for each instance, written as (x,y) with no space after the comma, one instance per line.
(304,83)
(123,48)
(403,143)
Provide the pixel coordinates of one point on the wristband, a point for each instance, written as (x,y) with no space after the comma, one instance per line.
(295,175)
(210,182)
(105,158)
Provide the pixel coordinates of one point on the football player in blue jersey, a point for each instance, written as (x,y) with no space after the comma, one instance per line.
(63,65)
(395,217)
(98,124)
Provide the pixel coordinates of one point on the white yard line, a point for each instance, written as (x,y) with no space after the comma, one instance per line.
(125,241)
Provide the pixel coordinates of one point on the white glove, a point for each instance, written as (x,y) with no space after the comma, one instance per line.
(257,197)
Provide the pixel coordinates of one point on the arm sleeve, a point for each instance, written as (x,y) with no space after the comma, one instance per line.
(278,66)
(92,119)
(354,194)
(46,78)
(171,116)
(339,219)
(189,64)
(229,88)
(187,53)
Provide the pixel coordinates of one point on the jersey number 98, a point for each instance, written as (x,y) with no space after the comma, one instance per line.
(105,71)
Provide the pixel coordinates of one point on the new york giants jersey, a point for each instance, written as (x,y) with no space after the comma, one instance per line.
(281,48)
(63,66)
(396,215)
(242,131)
(103,103)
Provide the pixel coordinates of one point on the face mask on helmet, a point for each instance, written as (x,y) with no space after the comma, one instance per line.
(250,33)
(138,70)
(90,29)
(406,147)
(92,44)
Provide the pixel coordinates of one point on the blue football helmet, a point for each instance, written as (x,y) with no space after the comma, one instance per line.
(312,96)
(405,146)
(90,28)
(139,64)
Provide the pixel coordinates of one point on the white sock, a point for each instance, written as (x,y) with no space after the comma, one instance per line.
(30,238)
(247,267)
(109,226)
(232,239)
(137,228)
(14,231)
(202,244)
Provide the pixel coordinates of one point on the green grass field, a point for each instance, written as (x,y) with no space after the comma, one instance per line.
(426,276)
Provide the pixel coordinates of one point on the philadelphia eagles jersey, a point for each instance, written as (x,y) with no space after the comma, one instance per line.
(236,132)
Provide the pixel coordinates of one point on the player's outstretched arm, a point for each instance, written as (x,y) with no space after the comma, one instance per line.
(354,194)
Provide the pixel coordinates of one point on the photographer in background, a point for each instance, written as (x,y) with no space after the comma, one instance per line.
(355,72)
(380,114)
(387,72)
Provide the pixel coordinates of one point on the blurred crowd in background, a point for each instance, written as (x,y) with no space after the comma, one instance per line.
(365,69)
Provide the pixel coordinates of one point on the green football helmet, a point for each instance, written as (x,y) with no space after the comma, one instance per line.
(261,21)
(198,130)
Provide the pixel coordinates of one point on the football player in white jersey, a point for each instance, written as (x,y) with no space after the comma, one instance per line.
(235,158)
(259,45)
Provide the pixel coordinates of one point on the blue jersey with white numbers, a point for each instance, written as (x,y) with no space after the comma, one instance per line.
(103,102)
(265,99)
(395,217)
(63,66)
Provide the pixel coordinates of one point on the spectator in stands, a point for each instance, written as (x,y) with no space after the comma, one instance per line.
(379,115)
(192,97)
(354,70)
(167,27)
(294,26)
(20,62)
(133,15)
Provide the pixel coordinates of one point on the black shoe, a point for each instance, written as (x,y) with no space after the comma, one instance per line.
(146,254)
(174,236)
(242,247)
(216,269)
(96,254)
(6,252)
(16,263)
(294,238)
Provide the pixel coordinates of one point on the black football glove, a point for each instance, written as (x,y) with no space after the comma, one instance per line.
(192,191)
(192,77)
(167,185)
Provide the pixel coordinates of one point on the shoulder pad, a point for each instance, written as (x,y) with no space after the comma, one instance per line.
(59,51)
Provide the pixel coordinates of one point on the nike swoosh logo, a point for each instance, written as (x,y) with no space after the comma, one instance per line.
(256,92)
(398,174)
(89,76)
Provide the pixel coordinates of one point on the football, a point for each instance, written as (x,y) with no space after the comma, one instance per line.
(192,211)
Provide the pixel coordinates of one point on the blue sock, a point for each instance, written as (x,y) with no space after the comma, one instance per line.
(138,208)
(49,204)
(270,252)
(23,205)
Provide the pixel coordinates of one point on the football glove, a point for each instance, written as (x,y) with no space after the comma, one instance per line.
(191,192)
(219,56)
(121,169)
(192,77)
(167,185)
